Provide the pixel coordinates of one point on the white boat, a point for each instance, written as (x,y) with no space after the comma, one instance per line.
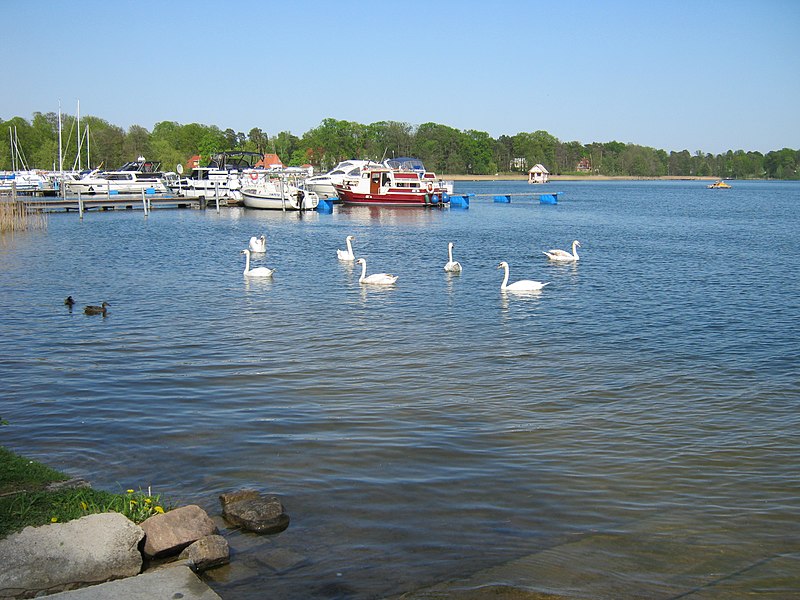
(133,177)
(324,184)
(222,177)
(414,165)
(277,194)
(24,181)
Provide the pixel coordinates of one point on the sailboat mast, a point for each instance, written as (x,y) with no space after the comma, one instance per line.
(79,135)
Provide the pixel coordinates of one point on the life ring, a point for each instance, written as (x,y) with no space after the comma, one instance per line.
(430,187)
(253,176)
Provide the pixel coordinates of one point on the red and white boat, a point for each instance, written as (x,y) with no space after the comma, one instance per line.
(379,185)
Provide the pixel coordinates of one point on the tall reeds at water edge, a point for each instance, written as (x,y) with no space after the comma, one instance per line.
(18,216)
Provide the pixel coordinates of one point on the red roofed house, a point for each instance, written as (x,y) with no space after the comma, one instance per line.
(269,161)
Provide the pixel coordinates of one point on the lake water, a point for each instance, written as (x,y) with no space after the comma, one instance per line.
(431,430)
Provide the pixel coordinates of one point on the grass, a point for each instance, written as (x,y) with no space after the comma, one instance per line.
(17,216)
(24,499)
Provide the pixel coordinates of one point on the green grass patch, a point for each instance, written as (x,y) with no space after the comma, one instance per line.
(18,473)
(25,502)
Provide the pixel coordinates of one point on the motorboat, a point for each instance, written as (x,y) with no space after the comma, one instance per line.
(132,177)
(324,183)
(718,185)
(415,165)
(24,181)
(382,186)
(276,193)
(220,178)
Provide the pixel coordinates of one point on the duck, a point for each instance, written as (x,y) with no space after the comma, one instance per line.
(258,244)
(523,285)
(375,278)
(452,266)
(563,255)
(96,310)
(257,271)
(347,254)
(68,301)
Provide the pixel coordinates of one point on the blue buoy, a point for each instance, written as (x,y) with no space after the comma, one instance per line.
(506,198)
(549,198)
(325,206)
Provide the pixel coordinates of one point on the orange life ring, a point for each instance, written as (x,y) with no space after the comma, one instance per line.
(253,176)
(430,187)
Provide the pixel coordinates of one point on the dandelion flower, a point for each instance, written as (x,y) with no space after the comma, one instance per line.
(54,520)
(129,491)
(84,506)
(158,509)
(148,500)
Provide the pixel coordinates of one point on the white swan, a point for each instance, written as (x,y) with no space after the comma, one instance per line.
(375,278)
(452,266)
(258,244)
(563,255)
(347,254)
(258,271)
(523,285)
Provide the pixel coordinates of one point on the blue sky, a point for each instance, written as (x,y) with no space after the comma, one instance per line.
(694,75)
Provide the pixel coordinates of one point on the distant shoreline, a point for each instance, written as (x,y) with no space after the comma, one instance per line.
(524,177)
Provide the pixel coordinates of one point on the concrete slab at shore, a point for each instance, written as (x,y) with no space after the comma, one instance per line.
(172,582)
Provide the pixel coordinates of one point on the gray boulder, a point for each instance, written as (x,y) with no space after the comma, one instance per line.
(208,552)
(63,556)
(171,532)
(251,511)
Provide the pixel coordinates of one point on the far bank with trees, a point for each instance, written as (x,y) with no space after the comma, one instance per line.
(443,149)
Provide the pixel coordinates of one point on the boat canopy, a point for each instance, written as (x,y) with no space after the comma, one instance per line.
(235,160)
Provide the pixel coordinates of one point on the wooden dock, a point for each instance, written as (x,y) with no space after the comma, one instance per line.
(103,202)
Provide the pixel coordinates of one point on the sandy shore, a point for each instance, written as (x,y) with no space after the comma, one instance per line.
(524,177)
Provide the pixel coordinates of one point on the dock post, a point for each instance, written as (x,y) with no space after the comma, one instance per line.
(216,194)
(144,203)
(80,205)
(108,190)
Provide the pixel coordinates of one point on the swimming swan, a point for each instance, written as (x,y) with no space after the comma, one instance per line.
(347,254)
(96,310)
(523,285)
(375,278)
(563,255)
(258,271)
(258,244)
(452,266)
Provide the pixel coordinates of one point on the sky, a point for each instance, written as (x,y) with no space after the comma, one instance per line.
(691,75)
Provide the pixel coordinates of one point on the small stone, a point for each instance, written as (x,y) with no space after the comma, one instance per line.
(252,512)
(208,552)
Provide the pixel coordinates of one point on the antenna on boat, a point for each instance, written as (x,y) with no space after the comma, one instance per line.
(384,153)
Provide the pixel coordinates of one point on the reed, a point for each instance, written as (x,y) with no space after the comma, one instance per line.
(18,216)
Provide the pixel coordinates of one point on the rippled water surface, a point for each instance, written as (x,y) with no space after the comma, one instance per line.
(424,432)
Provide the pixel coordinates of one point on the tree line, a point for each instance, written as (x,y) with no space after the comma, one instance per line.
(443,149)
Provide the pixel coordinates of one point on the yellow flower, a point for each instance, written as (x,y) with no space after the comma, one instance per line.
(158,509)
(84,506)
(134,503)
(130,491)
(148,500)
(54,520)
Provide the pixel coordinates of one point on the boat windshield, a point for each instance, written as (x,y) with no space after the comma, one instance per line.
(405,163)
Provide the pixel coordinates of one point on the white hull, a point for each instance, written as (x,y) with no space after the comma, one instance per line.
(253,198)
(102,186)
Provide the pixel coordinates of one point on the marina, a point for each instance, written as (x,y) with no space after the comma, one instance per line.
(627,431)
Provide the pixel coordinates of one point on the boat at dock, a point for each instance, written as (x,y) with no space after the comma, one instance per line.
(383,186)
(132,177)
(276,193)
(324,184)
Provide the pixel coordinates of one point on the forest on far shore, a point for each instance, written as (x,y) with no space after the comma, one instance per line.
(34,144)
